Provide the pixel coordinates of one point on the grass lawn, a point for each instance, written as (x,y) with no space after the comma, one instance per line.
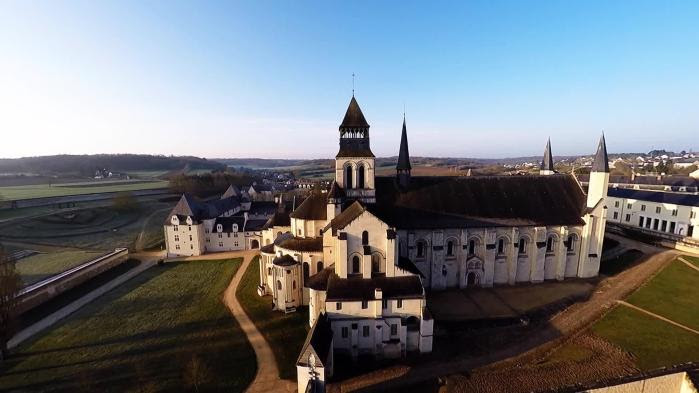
(40,266)
(11,193)
(694,260)
(285,333)
(672,293)
(150,334)
(653,342)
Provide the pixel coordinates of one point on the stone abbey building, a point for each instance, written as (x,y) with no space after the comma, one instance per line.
(362,254)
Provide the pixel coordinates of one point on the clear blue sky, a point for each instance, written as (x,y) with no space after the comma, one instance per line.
(273,78)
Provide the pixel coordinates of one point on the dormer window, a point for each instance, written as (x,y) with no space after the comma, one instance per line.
(235,227)
(219,228)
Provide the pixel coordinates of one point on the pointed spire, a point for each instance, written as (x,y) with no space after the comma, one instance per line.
(403,154)
(547,162)
(354,118)
(601,162)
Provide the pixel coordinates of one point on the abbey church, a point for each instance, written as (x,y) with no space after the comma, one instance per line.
(362,254)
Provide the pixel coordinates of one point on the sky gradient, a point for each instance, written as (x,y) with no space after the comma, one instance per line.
(272,79)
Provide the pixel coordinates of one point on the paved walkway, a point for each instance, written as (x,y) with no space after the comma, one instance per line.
(147,260)
(267,378)
(660,317)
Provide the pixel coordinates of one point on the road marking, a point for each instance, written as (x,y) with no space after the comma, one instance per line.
(658,316)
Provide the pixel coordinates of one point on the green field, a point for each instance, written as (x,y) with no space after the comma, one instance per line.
(40,266)
(654,343)
(285,333)
(694,260)
(158,332)
(45,190)
(673,293)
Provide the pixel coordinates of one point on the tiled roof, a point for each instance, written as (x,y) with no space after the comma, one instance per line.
(345,217)
(303,244)
(279,219)
(315,207)
(353,289)
(255,225)
(284,260)
(655,196)
(319,281)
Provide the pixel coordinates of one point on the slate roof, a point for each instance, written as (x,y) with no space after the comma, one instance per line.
(354,118)
(264,208)
(232,191)
(601,162)
(403,154)
(655,196)
(267,249)
(336,192)
(255,224)
(188,206)
(674,180)
(318,342)
(547,162)
(319,281)
(354,151)
(312,208)
(284,260)
(345,217)
(303,244)
(353,289)
(454,202)
(227,223)
(279,219)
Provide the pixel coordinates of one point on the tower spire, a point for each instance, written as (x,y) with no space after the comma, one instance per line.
(546,167)
(601,162)
(403,166)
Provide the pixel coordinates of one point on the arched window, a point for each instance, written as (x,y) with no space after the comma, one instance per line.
(365,238)
(376,262)
(348,176)
(355,264)
(360,176)
(550,244)
(501,246)
(572,239)
(450,248)
(306,271)
(472,247)
(421,246)
(293,284)
(279,285)
(522,245)
(319,266)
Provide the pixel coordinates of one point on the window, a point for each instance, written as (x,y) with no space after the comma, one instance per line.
(360,176)
(450,248)
(522,246)
(420,249)
(279,285)
(177,238)
(663,226)
(444,270)
(191,246)
(693,215)
(338,306)
(394,329)
(269,271)
(657,210)
(616,215)
(616,204)
(672,227)
(190,238)
(365,304)
(220,235)
(674,213)
(399,303)
(628,206)
(220,244)
(571,243)
(365,238)
(384,304)
(293,284)
(345,332)
(235,244)
(190,228)
(501,246)
(319,266)
(376,262)
(549,245)
(176,228)
(471,247)
(206,230)
(643,208)
(348,176)
(208,240)
(365,331)
(355,264)
(640,221)
(655,224)
(648,222)
(177,246)
(628,217)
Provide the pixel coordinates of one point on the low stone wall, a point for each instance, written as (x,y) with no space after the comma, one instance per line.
(45,290)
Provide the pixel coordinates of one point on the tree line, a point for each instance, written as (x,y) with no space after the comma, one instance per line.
(207,184)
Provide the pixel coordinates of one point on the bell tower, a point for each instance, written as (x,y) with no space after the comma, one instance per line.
(354,163)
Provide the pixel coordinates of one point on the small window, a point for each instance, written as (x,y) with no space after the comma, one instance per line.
(220,244)
(616,204)
(549,244)
(628,217)
(177,238)
(471,247)
(365,331)
(365,304)
(384,303)
(279,285)
(190,228)
(657,209)
(293,284)
(674,212)
(643,208)
(319,266)
(628,206)
(269,271)
(522,246)
(501,246)
(356,266)
(338,306)
(640,221)
(176,228)
(190,238)
(177,246)
(345,332)
(365,238)
(420,249)
(450,248)
(399,303)
(394,329)
(616,215)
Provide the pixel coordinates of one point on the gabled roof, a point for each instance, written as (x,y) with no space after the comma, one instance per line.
(354,118)
(318,343)
(547,162)
(345,217)
(279,219)
(601,163)
(232,191)
(188,206)
(312,208)
(403,154)
(336,192)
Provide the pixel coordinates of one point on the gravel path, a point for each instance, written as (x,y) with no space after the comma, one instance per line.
(560,328)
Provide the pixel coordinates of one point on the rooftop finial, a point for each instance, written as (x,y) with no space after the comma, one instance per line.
(353,84)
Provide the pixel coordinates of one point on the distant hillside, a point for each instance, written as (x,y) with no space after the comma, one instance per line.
(86,165)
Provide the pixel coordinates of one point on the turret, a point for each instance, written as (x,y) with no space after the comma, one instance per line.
(546,167)
(599,175)
(403,167)
(336,196)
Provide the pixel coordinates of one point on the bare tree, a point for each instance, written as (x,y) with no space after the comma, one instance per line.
(196,373)
(10,284)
